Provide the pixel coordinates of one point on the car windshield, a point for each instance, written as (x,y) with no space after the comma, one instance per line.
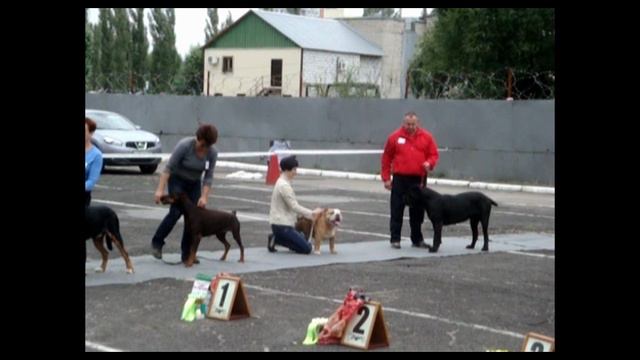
(111,121)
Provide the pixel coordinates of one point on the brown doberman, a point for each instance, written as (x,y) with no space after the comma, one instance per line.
(204,222)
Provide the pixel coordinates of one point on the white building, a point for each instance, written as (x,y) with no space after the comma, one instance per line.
(270,53)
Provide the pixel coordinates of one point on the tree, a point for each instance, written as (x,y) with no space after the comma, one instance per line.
(383,12)
(227,22)
(105,43)
(94,73)
(424,14)
(165,60)
(88,51)
(140,48)
(192,73)
(122,47)
(211,29)
(472,50)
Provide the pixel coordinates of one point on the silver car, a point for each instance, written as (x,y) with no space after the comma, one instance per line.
(115,134)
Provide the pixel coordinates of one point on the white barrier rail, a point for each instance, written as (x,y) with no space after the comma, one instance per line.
(229,155)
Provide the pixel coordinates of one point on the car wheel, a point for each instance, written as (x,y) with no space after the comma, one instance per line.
(148,169)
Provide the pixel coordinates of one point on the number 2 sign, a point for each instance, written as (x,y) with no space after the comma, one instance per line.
(229,301)
(366,329)
(538,343)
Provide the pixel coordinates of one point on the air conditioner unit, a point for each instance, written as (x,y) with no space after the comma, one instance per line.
(213,60)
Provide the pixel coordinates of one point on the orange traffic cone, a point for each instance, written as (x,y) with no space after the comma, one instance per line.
(273,172)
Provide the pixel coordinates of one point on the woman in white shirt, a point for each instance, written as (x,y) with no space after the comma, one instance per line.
(284,210)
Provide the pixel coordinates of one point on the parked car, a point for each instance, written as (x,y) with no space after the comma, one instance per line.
(115,134)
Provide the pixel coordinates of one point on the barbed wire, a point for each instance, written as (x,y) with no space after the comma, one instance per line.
(507,83)
(420,84)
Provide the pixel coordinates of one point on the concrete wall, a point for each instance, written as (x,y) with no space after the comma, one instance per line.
(488,140)
(251,71)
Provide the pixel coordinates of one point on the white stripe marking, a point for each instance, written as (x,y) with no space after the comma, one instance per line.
(404,312)
(531,254)
(522,214)
(126,204)
(100,347)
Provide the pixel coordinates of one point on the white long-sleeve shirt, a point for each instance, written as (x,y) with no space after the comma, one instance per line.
(284,206)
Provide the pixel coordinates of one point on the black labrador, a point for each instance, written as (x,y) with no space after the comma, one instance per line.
(451,209)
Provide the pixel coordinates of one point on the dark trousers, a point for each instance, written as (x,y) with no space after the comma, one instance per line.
(399,185)
(193,190)
(288,237)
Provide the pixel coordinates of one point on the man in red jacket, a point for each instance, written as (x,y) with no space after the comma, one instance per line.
(410,153)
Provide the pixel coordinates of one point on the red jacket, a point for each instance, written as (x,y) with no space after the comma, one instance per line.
(404,154)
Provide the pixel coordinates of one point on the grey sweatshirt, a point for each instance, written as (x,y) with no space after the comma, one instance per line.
(185,163)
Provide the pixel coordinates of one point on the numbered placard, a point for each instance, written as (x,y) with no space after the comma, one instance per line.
(229,301)
(366,329)
(538,343)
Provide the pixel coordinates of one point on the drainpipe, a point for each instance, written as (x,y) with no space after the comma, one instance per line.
(301,61)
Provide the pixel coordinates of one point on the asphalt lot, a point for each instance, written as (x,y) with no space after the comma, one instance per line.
(457,300)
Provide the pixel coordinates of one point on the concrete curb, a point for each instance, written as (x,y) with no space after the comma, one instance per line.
(431,181)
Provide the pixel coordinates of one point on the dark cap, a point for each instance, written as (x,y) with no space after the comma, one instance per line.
(288,163)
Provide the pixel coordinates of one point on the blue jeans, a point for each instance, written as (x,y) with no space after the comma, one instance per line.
(288,237)
(193,190)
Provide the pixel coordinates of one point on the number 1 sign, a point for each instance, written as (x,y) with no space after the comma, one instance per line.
(366,329)
(229,301)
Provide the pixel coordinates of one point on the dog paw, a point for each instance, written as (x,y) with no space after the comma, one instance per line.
(129,271)
(485,249)
(470,246)
(99,270)
(432,249)
(334,252)
(317,252)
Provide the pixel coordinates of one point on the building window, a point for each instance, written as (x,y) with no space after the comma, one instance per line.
(227,64)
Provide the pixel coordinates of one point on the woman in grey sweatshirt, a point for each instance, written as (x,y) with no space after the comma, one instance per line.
(191,157)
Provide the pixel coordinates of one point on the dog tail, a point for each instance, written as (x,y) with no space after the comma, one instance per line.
(493,202)
(113,227)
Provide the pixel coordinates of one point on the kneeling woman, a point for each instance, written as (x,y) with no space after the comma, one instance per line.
(284,210)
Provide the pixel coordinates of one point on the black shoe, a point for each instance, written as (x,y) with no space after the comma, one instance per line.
(395,244)
(271,243)
(422,245)
(156,252)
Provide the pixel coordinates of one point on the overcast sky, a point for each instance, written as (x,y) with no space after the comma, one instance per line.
(190,23)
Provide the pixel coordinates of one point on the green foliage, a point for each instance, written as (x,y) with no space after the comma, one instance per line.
(88,51)
(165,60)
(140,49)
(211,29)
(191,73)
(228,21)
(475,48)
(122,47)
(105,42)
